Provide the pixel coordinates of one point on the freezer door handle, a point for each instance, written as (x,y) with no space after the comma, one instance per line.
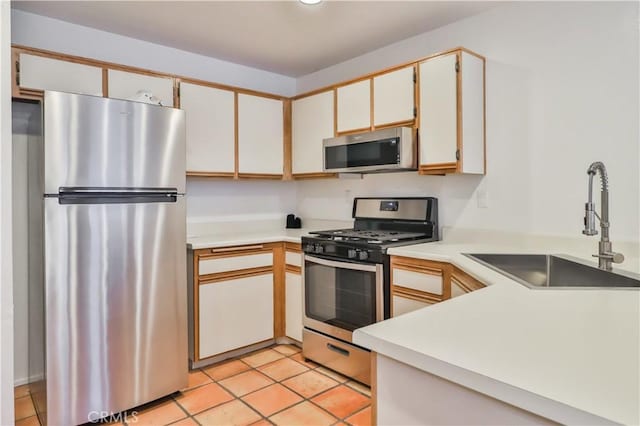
(84,195)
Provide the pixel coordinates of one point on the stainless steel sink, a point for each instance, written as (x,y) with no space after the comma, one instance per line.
(549,271)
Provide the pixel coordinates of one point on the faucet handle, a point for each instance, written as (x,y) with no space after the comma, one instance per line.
(614,257)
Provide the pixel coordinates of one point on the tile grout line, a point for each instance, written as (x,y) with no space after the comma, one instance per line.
(184,410)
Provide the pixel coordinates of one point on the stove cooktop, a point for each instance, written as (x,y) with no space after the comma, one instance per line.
(370,236)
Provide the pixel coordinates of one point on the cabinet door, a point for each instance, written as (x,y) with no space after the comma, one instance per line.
(311,122)
(354,106)
(38,72)
(394,97)
(125,85)
(472,87)
(402,305)
(260,135)
(210,127)
(293,306)
(235,313)
(438,111)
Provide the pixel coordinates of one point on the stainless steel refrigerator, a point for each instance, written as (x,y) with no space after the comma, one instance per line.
(115,255)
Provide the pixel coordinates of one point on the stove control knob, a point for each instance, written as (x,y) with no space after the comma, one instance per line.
(319,248)
(309,248)
(352,254)
(363,255)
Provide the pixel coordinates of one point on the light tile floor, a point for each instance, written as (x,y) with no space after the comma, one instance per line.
(270,386)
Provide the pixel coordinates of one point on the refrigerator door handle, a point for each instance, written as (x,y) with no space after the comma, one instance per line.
(109,190)
(82,195)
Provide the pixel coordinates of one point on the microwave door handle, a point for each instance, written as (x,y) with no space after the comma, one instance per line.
(343,265)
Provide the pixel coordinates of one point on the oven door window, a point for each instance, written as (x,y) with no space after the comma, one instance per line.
(372,153)
(340,297)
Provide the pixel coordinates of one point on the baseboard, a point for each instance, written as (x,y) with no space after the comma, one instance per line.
(26,380)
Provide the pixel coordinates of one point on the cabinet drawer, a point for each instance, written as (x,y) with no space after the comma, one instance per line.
(430,283)
(235,263)
(402,305)
(293,258)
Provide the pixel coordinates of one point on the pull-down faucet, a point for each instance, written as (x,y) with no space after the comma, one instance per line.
(605,255)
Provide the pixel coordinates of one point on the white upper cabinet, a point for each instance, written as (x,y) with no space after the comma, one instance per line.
(438,110)
(311,122)
(40,73)
(473,114)
(210,115)
(394,97)
(451,92)
(125,85)
(354,106)
(260,135)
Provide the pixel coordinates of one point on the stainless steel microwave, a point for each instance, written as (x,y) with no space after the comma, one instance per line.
(384,150)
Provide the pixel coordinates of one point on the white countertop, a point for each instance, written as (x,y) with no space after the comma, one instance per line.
(242,238)
(569,355)
(235,234)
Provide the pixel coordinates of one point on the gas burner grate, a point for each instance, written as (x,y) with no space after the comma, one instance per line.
(370,236)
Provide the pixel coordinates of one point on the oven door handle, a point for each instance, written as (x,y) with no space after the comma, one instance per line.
(343,265)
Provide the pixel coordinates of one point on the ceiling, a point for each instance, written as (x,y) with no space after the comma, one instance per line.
(285,37)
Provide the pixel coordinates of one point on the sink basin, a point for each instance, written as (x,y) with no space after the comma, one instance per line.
(550,271)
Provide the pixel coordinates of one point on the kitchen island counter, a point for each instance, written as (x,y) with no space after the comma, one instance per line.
(572,356)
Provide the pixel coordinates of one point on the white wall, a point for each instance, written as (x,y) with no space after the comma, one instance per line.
(6,268)
(52,34)
(221,200)
(562,91)
(20,248)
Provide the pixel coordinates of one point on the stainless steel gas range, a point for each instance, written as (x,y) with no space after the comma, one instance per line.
(346,282)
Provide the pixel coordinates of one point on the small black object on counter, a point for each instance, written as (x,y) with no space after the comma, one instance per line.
(293,222)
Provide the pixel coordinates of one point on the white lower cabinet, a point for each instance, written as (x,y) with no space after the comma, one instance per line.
(293,306)
(235,313)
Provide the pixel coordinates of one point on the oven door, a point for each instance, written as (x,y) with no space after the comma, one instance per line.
(340,297)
